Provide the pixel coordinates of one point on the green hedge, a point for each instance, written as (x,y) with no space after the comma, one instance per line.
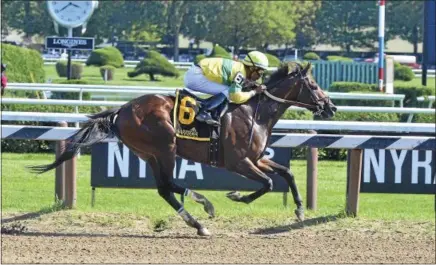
(220,52)
(338,58)
(76,71)
(350,87)
(273,61)
(110,72)
(412,92)
(153,64)
(217,52)
(71,95)
(106,56)
(23,65)
(198,58)
(403,72)
(311,56)
(355,87)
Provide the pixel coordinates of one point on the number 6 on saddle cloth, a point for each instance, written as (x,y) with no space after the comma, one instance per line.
(186,107)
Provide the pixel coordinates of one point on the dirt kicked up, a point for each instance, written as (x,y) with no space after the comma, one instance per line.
(47,240)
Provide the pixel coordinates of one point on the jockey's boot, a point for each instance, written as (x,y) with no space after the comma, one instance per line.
(210,104)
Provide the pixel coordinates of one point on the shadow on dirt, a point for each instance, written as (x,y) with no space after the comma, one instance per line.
(57,206)
(299,225)
(91,235)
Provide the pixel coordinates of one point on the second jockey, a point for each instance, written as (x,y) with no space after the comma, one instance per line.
(225,80)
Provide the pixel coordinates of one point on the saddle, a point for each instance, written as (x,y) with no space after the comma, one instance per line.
(186,107)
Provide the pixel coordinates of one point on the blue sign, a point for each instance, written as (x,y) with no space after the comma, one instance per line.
(399,171)
(113,165)
(430,32)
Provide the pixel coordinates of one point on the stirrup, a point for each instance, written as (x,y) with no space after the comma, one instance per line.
(207,118)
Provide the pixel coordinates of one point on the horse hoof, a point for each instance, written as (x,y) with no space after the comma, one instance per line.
(300,214)
(209,209)
(203,232)
(234,196)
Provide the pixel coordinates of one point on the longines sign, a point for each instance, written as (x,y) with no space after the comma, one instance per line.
(69,43)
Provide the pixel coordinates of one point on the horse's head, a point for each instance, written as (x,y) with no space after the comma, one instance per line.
(293,84)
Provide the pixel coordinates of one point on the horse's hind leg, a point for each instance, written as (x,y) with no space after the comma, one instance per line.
(269,166)
(163,172)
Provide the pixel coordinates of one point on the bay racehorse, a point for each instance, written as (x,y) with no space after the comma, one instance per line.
(145,126)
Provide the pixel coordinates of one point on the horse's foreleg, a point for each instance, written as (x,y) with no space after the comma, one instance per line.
(195,196)
(251,171)
(163,175)
(269,166)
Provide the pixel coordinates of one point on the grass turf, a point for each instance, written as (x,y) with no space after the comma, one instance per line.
(25,192)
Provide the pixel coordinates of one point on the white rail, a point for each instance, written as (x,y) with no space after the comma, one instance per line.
(430,100)
(286,140)
(164,90)
(281,125)
(66,102)
(133,63)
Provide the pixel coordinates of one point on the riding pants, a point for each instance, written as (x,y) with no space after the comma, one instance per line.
(195,80)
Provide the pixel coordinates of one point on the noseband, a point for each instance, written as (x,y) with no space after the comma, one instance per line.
(315,107)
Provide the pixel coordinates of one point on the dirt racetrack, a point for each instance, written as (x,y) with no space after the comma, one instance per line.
(334,242)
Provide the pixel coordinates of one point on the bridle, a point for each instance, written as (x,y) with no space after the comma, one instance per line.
(317,107)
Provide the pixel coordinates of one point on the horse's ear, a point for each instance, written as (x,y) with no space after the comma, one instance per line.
(306,69)
(292,67)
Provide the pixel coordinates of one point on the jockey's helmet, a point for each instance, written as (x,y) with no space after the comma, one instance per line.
(256,58)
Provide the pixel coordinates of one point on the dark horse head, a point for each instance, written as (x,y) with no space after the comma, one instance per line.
(293,84)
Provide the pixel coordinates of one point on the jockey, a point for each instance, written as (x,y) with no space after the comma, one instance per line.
(225,79)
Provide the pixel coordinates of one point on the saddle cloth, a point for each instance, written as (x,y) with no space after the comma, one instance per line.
(185,110)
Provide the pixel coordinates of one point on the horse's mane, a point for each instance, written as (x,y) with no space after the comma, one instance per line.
(284,70)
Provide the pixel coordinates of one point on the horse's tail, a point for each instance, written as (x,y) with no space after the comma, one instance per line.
(99,127)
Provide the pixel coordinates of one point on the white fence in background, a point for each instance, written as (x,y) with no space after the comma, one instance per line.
(283,125)
(111,89)
(77,103)
(186,65)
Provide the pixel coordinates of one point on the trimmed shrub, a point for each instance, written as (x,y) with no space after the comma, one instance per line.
(198,58)
(220,52)
(76,71)
(23,65)
(403,72)
(424,118)
(106,56)
(153,64)
(311,56)
(350,87)
(412,92)
(273,61)
(71,95)
(217,52)
(338,58)
(110,72)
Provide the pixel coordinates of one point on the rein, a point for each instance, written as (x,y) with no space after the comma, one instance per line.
(293,102)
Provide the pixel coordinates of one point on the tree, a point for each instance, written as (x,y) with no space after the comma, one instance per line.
(348,23)
(405,19)
(306,34)
(258,24)
(175,14)
(127,20)
(28,17)
(200,19)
